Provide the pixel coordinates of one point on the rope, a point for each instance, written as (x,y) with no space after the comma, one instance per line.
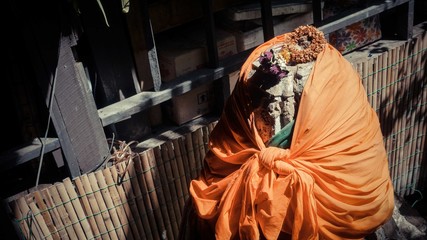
(47,127)
(29,220)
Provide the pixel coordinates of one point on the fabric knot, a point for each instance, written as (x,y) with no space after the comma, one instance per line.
(276,159)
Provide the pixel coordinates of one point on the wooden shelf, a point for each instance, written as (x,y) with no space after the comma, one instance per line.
(122,110)
(352,16)
(126,108)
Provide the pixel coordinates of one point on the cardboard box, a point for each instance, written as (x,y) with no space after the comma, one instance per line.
(178,56)
(155,116)
(226,41)
(191,105)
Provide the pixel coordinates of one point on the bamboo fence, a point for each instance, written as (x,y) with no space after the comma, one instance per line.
(394,75)
(143,197)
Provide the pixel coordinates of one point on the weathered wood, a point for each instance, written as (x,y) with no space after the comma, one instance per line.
(49,38)
(127,107)
(267,20)
(143,46)
(346,18)
(114,64)
(27,152)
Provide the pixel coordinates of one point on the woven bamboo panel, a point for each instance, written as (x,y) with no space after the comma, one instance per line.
(141,198)
(394,75)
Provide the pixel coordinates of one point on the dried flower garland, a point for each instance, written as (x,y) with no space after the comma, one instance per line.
(302,46)
(305,43)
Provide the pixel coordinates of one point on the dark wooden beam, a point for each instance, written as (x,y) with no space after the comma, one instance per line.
(151,46)
(211,40)
(267,19)
(24,153)
(317,11)
(405,20)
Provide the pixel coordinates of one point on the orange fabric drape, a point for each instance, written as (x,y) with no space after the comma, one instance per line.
(332,183)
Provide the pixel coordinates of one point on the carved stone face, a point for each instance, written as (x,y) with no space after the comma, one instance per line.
(276,101)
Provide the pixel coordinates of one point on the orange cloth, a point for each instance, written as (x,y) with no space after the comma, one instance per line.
(333,182)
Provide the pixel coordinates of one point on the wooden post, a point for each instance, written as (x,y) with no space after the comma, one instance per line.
(49,39)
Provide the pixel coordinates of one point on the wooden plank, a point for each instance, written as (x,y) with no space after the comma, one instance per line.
(135,28)
(141,101)
(267,19)
(346,18)
(252,10)
(211,38)
(27,152)
(114,64)
(49,38)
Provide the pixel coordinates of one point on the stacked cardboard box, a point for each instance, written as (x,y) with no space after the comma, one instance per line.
(182,53)
(191,105)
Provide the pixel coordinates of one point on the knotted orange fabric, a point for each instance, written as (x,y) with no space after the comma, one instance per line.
(332,183)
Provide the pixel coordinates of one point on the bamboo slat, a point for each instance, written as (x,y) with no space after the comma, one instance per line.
(102,208)
(20,218)
(33,226)
(421,92)
(201,146)
(393,148)
(145,211)
(415,44)
(96,211)
(180,167)
(62,212)
(408,158)
(177,175)
(151,169)
(109,204)
(185,160)
(132,181)
(45,214)
(78,208)
(196,151)
(206,133)
(401,124)
(165,163)
(54,214)
(87,205)
(375,79)
(190,154)
(156,227)
(385,106)
(125,190)
(43,229)
(70,210)
(118,204)
(149,192)
(124,210)
(166,191)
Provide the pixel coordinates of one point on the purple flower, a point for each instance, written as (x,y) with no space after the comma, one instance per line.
(266,65)
(282,74)
(268,55)
(274,69)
